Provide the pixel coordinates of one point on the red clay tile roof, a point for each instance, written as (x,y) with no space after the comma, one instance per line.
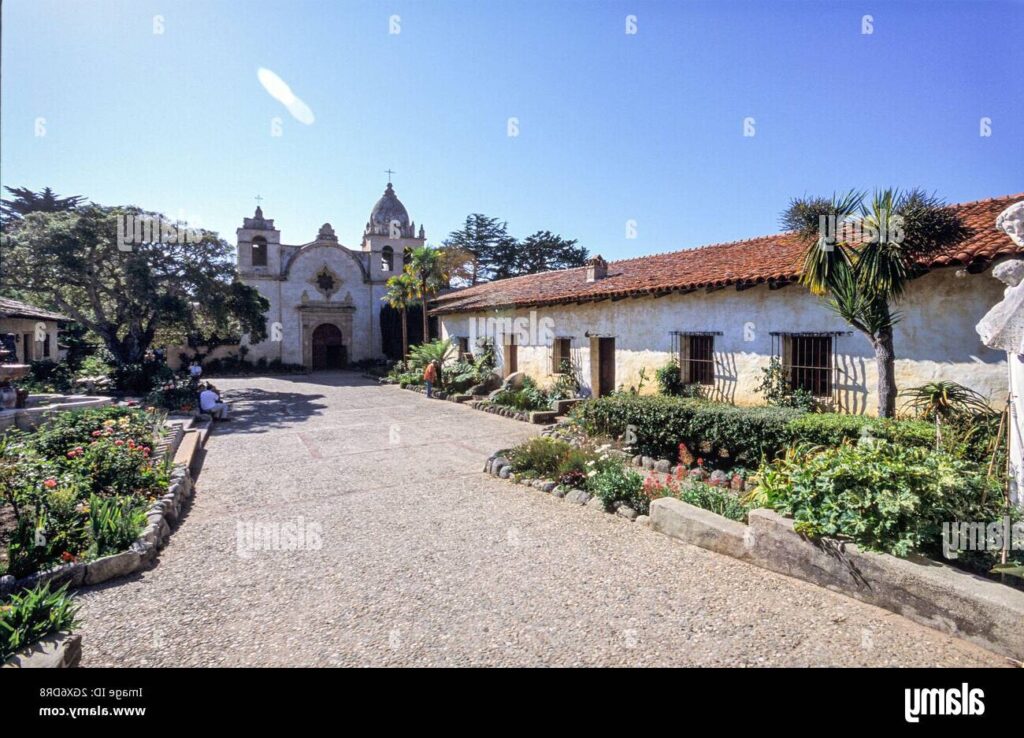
(767,259)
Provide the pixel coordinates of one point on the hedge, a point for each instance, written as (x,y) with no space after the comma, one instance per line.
(725,434)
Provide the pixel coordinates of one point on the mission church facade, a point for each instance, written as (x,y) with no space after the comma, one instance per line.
(325,299)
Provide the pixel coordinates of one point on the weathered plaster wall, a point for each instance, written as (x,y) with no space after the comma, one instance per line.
(934,340)
(21,326)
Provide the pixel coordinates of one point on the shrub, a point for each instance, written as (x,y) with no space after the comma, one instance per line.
(617,483)
(47,375)
(539,457)
(833,429)
(567,383)
(742,435)
(714,430)
(529,397)
(670,379)
(777,392)
(66,430)
(33,615)
(883,496)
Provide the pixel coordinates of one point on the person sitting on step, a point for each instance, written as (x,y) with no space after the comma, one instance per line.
(209,402)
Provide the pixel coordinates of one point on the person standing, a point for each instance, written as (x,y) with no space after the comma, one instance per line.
(429,377)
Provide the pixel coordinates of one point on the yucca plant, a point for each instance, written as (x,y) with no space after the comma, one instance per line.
(862,277)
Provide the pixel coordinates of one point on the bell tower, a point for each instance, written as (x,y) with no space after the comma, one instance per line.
(259,247)
(389,235)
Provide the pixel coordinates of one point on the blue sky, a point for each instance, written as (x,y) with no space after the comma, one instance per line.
(613,127)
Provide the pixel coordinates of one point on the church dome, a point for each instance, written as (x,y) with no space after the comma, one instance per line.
(389,209)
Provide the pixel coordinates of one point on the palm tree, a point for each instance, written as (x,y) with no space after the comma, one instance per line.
(400,295)
(864,275)
(428,267)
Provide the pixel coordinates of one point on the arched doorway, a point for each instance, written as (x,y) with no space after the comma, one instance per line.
(328,347)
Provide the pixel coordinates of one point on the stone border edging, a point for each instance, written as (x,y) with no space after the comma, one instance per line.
(479,402)
(497,465)
(60,650)
(161,514)
(922,590)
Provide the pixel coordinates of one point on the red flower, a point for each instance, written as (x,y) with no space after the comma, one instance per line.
(67,556)
(50,483)
(119,442)
(97,433)
(72,454)
(700,461)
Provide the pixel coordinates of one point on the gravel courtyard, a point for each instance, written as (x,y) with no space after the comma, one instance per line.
(425,561)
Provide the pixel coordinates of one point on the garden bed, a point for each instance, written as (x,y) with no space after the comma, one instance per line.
(866,517)
(106,505)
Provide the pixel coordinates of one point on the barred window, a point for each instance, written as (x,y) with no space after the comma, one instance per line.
(561,351)
(808,362)
(697,357)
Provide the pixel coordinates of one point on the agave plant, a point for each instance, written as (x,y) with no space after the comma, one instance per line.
(943,401)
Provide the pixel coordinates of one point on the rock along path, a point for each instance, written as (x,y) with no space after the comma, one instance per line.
(423,560)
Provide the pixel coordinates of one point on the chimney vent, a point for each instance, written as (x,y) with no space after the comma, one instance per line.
(597,268)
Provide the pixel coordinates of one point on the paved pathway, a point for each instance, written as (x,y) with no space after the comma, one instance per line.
(425,561)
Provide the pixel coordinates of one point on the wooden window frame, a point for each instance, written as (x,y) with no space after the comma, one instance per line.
(809,360)
(695,351)
(561,350)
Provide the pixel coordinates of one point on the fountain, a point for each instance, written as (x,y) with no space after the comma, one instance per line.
(10,396)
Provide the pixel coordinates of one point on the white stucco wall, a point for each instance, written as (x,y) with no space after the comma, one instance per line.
(935,339)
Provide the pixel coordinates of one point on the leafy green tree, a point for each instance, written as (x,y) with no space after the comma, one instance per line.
(26,201)
(181,286)
(400,295)
(543,251)
(494,254)
(487,241)
(864,270)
